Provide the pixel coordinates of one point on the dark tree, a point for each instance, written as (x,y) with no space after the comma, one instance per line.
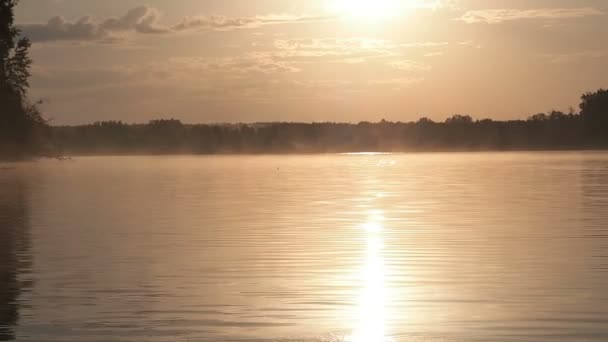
(20,121)
(594,110)
(459,119)
(540,117)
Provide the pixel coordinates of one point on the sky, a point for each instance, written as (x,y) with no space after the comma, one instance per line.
(215,61)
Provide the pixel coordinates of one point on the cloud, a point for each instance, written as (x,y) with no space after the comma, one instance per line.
(332,44)
(407,65)
(344,50)
(146,20)
(495,16)
(240,79)
(292,55)
(171,72)
(470,43)
(333,48)
(223,23)
(248,78)
(214,23)
(57,28)
(246,64)
(575,56)
(142,19)
(397,83)
(433,4)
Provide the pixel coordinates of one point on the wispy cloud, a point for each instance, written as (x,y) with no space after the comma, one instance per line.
(408,65)
(575,56)
(350,50)
(434,54)
(147,20)
(221,23)
(495,16)
(397,83)
(347,50)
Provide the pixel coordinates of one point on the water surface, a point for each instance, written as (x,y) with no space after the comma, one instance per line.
(362,248)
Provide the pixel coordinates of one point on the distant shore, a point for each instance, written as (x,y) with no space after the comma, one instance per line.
(553,132)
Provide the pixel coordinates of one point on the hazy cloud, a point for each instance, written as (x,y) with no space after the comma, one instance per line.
(142,19)
(495,16)
(146,20)
(57,28)
(407,65)
(575,56)
(434,54)
(347,50)
(397,83)
(229,23)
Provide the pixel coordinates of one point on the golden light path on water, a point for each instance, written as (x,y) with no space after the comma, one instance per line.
(371,324)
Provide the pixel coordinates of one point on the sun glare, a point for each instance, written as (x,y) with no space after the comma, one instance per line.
(372,298)
(365,9)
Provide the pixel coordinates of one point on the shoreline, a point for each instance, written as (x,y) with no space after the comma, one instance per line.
(70,157)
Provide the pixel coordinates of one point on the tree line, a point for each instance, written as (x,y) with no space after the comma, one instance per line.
(587,129)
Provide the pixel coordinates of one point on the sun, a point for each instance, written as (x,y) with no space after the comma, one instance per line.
(366,9)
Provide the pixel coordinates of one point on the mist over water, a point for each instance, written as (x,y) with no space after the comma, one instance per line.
(361,248)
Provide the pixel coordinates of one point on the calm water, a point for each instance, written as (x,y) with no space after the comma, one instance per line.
(361,248)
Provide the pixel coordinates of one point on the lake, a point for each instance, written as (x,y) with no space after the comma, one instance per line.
(359,248)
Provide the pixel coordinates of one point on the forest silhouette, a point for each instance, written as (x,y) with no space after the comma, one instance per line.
(22,129)
(556,130)
(24,132)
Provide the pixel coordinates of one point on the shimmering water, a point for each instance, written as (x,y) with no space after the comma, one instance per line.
(362,248)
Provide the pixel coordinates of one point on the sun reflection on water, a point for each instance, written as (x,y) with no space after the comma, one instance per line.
(371,323)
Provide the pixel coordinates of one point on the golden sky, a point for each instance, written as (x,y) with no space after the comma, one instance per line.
(313,60)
